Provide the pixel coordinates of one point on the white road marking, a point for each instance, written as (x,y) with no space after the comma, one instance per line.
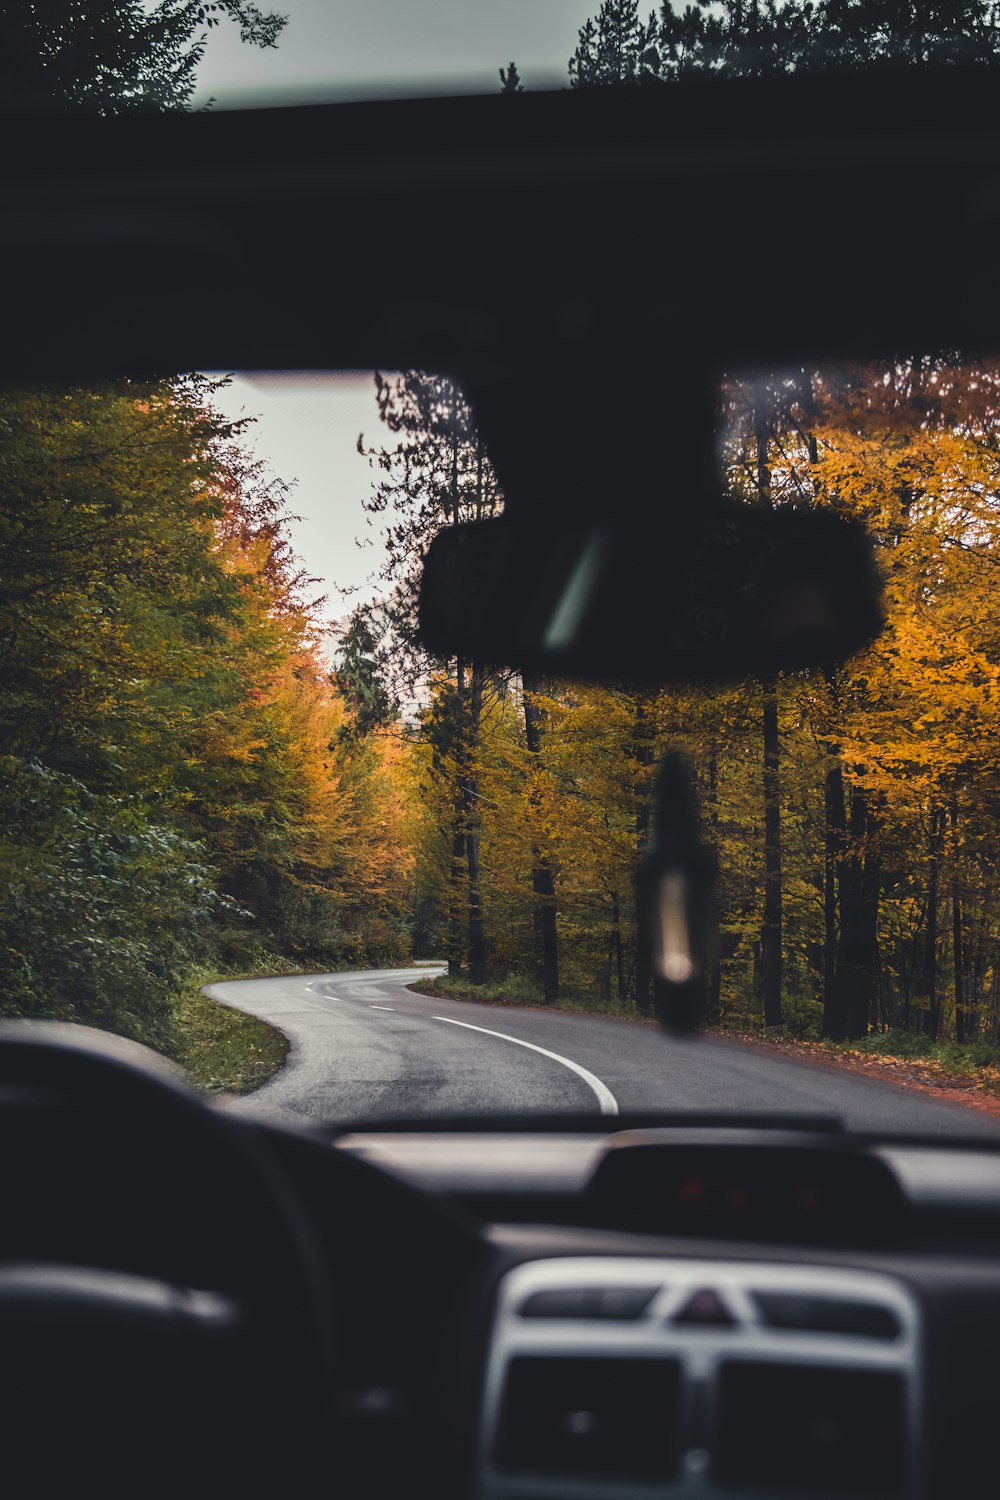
(381,1007)
(605,1098)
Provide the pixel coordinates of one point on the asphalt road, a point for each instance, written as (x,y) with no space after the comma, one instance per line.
(365,1047)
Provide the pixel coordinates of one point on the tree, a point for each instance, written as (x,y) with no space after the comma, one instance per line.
(438,474)
(771,926)
(103,907)
(175,779)
(738,39)
(885,865)
(910,449)
(116,56)
(542,877)
(616,47)
(510,80)
(179,776)
(359,677)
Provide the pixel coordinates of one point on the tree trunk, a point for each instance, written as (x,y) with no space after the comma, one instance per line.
(542,881)
(928,972)
(477,931)
(834,1020)
(958,947)
(771,927)
(859,877)
(457,946)
(714,1002)
(770,935)
(978,965)
(643,815)
(956,937)
(619,951)
(456,921)
(871,893)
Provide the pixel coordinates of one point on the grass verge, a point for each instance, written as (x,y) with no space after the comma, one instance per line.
(974,1064)
(520,992)
(958,1057)
(224,1051)
(221,1050)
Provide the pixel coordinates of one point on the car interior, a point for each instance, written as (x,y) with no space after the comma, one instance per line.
(666,1305)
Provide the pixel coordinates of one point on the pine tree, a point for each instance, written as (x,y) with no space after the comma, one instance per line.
(752,38)
(359,678)
(510,80)
(615,47)
(438,474)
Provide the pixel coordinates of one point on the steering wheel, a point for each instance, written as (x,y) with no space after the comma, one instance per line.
(165,1316)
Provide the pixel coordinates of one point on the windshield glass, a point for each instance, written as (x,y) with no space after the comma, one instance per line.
(227,755)
(231,770)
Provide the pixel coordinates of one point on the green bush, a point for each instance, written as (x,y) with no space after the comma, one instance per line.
(801,1017)
(102,909)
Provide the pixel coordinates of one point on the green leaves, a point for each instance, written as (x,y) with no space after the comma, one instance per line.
(103,906)
(171,747)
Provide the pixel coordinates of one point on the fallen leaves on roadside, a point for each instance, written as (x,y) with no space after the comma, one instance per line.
(979,1090)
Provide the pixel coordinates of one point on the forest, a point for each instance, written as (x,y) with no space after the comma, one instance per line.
(852,814)
(188,785)
(179,781)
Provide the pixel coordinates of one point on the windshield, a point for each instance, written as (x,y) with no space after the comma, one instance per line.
(227,755)
(242,803)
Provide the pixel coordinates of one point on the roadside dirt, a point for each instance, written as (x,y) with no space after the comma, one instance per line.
(922,1075)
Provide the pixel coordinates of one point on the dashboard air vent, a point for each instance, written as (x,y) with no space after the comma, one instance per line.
(600,1418)
(805,1430)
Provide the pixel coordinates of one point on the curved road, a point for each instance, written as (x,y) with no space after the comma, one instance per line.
(365,1047)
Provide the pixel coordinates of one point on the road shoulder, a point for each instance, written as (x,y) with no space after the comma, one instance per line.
(979,1090)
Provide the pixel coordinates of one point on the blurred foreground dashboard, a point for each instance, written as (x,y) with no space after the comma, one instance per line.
(660,1312)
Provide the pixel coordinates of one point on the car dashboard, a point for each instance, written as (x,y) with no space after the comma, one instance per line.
(512,1327)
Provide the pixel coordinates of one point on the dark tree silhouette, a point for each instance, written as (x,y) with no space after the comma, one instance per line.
(115,57)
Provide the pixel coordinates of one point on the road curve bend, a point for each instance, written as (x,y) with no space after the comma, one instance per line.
(364,1046)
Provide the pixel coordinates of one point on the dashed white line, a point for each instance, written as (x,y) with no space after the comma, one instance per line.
(605,1098)
(381,1007)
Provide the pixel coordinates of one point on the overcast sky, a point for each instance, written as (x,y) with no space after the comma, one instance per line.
(307,431)
(333,48)
(308,426)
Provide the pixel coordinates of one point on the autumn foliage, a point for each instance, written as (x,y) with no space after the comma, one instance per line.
(175,782)
(878,781)
(185,778)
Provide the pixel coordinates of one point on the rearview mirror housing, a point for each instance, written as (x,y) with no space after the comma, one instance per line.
(740,591)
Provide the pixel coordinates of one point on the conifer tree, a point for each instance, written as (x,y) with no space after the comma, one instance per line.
(616,46)
(751,38)
(438,474)
(510,80)
(359,677)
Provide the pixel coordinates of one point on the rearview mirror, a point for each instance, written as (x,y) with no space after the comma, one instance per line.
(740,591)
